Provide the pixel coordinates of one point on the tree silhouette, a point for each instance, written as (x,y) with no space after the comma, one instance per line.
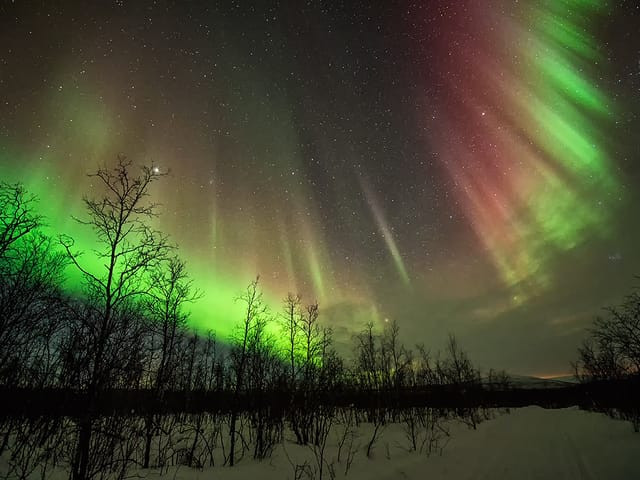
(32,306)
(247,340)
(612,349)
(290,326)
(17,216)
(130,249)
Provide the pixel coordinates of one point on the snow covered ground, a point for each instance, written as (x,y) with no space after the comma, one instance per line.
(529,443)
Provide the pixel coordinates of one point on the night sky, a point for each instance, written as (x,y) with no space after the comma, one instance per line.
(468,167)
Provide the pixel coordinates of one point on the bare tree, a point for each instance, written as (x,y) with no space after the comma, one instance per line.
(32,311)
(395,359)
(17,216)
(368,370)
(457,371)
(367,365)
(130,249)
(311,336)
(170,290)
(456,367)
(290,326)
(32,306)
(611,353)
(424,370)
(612,349)
(246,338)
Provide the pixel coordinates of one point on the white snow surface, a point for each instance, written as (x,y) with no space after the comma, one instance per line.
(528,443)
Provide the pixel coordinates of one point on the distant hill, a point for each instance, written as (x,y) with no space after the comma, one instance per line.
(525,381)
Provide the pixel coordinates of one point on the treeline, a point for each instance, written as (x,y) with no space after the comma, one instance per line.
(125,331)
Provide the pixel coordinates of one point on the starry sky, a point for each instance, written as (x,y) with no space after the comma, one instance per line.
(465,167)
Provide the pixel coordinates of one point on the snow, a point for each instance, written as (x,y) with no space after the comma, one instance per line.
(528,443)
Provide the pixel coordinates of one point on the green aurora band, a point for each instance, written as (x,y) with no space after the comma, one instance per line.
(258,184)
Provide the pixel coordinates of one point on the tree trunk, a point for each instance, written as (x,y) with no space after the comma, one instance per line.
(148,426)
(232,435)
(83,449)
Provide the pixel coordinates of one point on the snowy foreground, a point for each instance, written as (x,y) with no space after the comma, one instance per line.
(528,443)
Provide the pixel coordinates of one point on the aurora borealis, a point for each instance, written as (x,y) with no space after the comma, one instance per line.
(526,152)
(458,167)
